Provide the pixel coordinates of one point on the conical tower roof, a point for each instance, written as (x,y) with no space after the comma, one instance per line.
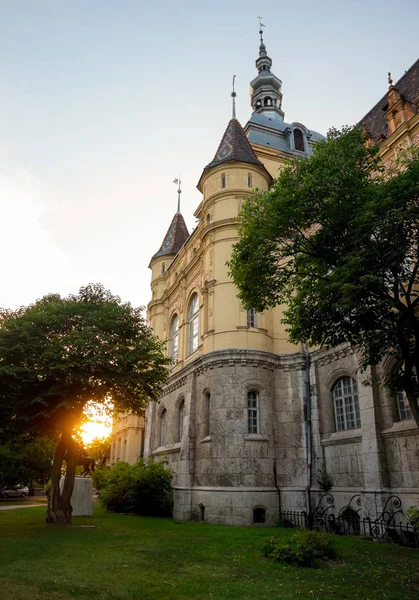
(176,236)
(234,146)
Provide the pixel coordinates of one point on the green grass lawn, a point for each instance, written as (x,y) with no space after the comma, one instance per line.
(137,558)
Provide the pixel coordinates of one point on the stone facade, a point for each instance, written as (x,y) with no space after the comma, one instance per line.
(248,420)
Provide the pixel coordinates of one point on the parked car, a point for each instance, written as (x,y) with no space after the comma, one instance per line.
(20,491)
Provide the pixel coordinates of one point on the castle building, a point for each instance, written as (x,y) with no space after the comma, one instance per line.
(248,419)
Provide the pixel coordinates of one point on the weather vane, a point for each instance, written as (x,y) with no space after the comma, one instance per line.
(233,95)
(260,29)
(179,191)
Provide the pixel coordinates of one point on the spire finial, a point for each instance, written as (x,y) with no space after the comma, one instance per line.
(233,95)
(179,191)
(260,29)
(390,81)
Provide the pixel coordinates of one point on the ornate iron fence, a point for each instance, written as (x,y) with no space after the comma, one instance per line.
(387,527)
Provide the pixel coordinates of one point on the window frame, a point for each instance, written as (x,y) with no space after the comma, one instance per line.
(253,412)
(404,412)
(346,404)
(193,324)
(181,418)
(163,428)
(298,131)
(251,318)
(174,340)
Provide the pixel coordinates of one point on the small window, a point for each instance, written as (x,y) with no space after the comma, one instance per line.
(207,414)
(403,406)
(249,180)
(345,396)
(251,317)
(201,513)
(253,412)
(174,340)
(163,427)
(268,101)
(193,324)
(223,180)
(163,268)
(181,417)
(259,515)
(258,104)
(298,140)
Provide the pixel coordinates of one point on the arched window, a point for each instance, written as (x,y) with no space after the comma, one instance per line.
(163,427)
(403,407)
(193,324)
(206,413)
(181,415)
(174,339)
(201,512)
(251,317)
(345,396)
(253,412)
(298,140)
(267,101)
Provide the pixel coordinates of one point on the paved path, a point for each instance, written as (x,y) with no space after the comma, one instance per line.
(12,506)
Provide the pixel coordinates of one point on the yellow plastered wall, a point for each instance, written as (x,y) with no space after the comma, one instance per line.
(200,267)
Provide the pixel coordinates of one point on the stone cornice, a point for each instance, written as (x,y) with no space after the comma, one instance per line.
(234,357)
(324,357)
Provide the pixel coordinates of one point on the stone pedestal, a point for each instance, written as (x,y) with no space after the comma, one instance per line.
(82,497)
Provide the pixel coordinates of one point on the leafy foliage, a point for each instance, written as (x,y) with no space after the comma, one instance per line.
(412,515)
(336,241)
(142,489)
(98,448)
(303,549)
(25,459)
(60,354)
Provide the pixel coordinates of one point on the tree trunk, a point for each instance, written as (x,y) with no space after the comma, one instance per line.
(59,506)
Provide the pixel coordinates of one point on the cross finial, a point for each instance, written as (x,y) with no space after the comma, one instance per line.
(390,81)
(260,29)
(179,191)
(233,95)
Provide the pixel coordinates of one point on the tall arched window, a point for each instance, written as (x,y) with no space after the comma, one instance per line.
(181,415)
(403,406)
(253,412)
(193,324)
(163,427)
(298,140)
(174,339)
(345,396)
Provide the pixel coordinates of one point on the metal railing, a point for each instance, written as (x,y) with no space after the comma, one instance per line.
(387,527)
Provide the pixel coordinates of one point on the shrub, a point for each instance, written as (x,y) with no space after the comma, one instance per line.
(303,549)
(142,489)
(412,515)
(283,522)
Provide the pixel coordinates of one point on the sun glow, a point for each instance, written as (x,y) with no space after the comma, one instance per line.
(95,429)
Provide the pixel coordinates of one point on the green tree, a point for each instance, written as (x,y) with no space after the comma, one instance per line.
(60,354)
(26,459)
(98,448)
(336,241)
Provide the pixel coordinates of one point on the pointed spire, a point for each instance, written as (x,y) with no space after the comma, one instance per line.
(233,95)
(176,236)
(262,47)
(179,191)
(234,146)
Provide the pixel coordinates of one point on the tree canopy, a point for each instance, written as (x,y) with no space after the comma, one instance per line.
(336,241)
(59,354)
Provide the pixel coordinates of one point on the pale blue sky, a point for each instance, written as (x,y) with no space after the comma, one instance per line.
(104,102)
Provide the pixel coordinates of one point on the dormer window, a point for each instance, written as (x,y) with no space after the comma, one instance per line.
(298,140)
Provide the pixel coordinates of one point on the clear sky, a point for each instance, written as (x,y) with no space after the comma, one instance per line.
(104,102)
